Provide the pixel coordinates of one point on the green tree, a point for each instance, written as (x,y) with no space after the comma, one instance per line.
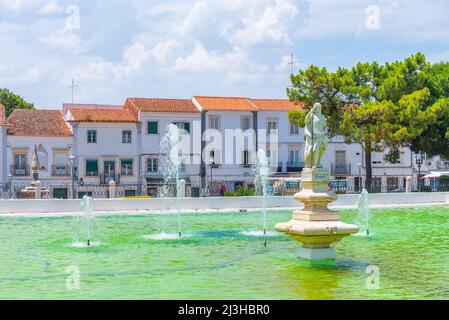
(379,106)
(12,101)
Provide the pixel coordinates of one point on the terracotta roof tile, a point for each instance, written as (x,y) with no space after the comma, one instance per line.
(226,103)
(67,106)
(38,123)
(162,105)
(277,105)
(102,115)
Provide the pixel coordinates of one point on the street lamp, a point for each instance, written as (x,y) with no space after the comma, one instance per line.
(10,185)
(360,176)
(419,162)
(72,160)
(211,163)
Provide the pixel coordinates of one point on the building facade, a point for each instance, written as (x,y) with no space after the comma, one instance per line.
(221,137)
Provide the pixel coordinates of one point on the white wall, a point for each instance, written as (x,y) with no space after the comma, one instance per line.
(109,146)
(28,143)
(33,207)
(151,144)
(3,157)
(231,168)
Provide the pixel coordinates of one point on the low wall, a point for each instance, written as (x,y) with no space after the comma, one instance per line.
(194,204)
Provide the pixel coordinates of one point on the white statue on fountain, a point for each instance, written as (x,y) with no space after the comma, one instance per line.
(315,226)
(316,137)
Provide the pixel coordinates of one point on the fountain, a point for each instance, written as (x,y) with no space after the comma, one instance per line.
(364,213)
(316,227)
(87,210)
(171,147)
(35,189)
(262,173)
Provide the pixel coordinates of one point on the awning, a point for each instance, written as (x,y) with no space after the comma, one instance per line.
(436,175)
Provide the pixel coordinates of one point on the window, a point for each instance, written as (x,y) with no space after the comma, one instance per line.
(20,165)
(294,128)
(60,165)
(272,157)
(246,123)
(92,136)
(183,126)
(215,156)
(246,158)
(152,165)
(91,168)
(340,158)
(153,127)
(127,167)
(214,122)
(272,127)
(130,193)
(126,136)
(293,156)
(182,167)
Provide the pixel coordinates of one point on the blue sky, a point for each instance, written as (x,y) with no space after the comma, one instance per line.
(116,49)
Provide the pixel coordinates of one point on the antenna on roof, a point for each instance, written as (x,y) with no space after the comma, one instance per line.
(293,63)
(73,86)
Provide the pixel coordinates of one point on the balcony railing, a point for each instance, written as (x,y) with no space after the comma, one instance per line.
(295,166)
(105,179)
(341,169)
(20,171)
(60,171)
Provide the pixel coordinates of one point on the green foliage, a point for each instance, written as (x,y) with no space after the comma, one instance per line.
(242,191)
(12,101)
(394,105)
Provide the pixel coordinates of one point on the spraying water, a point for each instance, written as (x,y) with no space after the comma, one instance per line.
(171,147)
(87,216)
(364,213)
(262,172)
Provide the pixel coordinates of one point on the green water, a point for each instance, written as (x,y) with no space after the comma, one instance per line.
(409,247)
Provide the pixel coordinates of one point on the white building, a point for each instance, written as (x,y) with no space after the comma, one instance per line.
(49,133)
(105,145)
(3,143)
(221,136)
(155,116)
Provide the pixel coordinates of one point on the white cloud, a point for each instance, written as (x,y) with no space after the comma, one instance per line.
(164,48)
(267,26)
(195,16)
(51,7)
(408,21)
(439,57)
(63,38)
(201,60)
(18,5)
(133,62)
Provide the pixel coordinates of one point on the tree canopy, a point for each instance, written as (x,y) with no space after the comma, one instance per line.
(12,101)
(404,103)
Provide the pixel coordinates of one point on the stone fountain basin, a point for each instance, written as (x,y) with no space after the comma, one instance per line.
(317,228)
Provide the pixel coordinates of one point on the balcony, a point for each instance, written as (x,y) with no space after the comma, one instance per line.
(341,169)
(60,171)
(295,166)
(22,171)
(105,179)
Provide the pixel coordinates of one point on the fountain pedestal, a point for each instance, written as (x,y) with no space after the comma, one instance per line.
(316,227)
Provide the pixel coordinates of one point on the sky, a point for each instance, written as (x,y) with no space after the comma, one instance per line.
(114,49)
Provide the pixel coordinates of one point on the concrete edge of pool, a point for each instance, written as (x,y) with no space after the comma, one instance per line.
(204,205)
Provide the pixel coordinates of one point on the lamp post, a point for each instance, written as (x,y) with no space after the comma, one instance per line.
(419,162)
(211,163)
(72,160)
(360,176)
(10,185)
